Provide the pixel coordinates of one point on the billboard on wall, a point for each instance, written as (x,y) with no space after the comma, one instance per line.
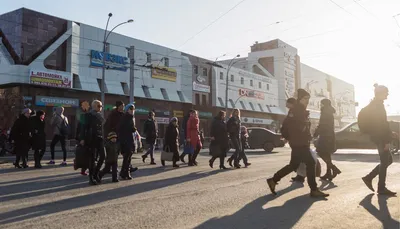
(112,61)
(56,102)
(50,79)
(164,73)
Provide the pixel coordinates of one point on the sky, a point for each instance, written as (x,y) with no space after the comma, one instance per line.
(354,40)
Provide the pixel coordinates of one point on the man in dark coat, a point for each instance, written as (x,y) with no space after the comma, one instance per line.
(38,137)
(21,133)
(299,136)
(381,137)
(219,145)
(114,118)
(125,137)
(150,131)
(171,141)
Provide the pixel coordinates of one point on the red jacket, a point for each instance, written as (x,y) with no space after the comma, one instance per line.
(192,130)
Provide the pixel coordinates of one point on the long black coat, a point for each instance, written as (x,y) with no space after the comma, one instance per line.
(326,131)
(220,134)
(125,133)
(150,131)
(171,138)
(21,134)
(38,133)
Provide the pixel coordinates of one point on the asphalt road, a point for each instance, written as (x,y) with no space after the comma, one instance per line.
(197,197)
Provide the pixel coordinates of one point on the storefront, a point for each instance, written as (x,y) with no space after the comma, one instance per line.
(205,122)
(258,122)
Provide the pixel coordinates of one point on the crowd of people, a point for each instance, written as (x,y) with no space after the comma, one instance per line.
(102,140)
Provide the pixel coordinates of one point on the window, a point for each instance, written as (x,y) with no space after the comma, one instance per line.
(125,88)
(232,78)
(148,57)
(195,69)
(251,82)
(99,83)
(107,47)
(231,102)
(204,100)
(166,62)
(204,71)
(197,97)
(164,93)
(181,97)
(243,106)
(267,87)
(251,105)
(259,85)
(242,80)
(261,109)
(221,75)
(146,91)
(221,102)
(76,82)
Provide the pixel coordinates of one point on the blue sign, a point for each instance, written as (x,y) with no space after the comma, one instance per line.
(112,61)
(56,102)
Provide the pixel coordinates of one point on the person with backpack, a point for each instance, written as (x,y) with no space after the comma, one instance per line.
(60,125)
(372,120)
(296,128)
(151,132)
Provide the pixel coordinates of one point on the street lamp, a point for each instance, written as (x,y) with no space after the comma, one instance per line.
(103,76)
(227,81)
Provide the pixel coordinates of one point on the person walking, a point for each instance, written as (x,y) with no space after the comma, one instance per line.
(233,126)
(94,142)
(193,137)
(326,144)
(38,137)
(297,131)
(80,130)
(171,141)
(60,125)
(219,140)
(21,135)
(184,131)
(112,151)
(114,118)
(125,133)
(373,121)
(150,131)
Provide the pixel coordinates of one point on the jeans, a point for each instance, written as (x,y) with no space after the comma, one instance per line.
(299,155)
(97,148)
(381,169)
(126,151)
(150,151)
(56,139)
(238,150)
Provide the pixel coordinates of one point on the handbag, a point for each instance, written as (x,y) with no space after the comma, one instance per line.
(189,149)
(167,155)
(81,160)
(302,169)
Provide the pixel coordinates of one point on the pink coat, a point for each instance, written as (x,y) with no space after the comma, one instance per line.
(192,129)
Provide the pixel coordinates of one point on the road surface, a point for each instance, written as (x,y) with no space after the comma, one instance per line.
(198,197)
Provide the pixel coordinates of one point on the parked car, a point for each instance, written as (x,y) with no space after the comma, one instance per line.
(261,138)
(350,137)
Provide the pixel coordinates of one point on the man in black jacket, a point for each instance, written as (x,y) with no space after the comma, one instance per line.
(381,137)
(150,131)
(125,137)
(299,136)
(114,118)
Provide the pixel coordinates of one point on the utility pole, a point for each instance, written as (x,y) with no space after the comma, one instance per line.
(131,54)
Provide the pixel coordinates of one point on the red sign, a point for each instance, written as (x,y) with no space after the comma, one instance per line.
(251,94)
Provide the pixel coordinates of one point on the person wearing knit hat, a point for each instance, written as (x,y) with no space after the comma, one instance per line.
(299,136)
(130,106)
(375,116)
(111,162)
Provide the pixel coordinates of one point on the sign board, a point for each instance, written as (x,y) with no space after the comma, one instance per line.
(142,110)
(251,93)
(50,79)
(56,102)
(162,113)
(205,114)
(164,73)
(113,62)
(201,87)
(161,120)
(178,114)
(256,120)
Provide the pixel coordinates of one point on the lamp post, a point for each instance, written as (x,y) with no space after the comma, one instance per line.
(227,81)
(106,35)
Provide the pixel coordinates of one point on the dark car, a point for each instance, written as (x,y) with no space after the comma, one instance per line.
(261,138)
(350,137)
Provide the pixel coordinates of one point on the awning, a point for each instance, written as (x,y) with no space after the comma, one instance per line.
(173,96)
(114,88)
(276,110)
(156,93)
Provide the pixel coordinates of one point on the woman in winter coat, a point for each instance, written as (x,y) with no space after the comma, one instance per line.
(171,141)
(219,140)
(38,137)
(193,137)
(326,144)
(21,135)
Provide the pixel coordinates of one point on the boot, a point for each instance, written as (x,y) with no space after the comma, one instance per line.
(368,183)
(335,171)
(230,161)
(92,181)
(162,162)
(174,164)
(272,184)
(114,176)
(190,160)
(182,158)
(328,175)
(211,162)
(144,158)
(318,194)
(152,162)
(298,178)
(386,192)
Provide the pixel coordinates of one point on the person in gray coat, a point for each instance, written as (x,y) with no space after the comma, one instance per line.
(60,124)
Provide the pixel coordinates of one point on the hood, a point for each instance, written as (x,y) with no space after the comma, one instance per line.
(328,109)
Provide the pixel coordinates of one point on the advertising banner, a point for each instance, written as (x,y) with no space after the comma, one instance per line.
(161,120)
(56,102)
(164,73)
(113,62)
(51,79)
(201,87)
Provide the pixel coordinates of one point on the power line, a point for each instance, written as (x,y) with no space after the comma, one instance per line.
(341,7)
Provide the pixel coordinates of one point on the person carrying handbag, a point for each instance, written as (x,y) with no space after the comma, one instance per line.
(219,140)
(171,143)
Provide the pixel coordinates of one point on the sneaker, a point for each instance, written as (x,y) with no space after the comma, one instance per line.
(271,185)
(386,192)
(64,163)
(318,193)
(368,183)
(51,162)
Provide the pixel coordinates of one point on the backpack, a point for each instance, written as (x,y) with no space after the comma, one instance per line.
(366,120)
(64,128)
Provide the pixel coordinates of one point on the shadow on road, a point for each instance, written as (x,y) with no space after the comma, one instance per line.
(382,214)
(13,170)
(94,198)
(37,178)
(358,157)
(257,214)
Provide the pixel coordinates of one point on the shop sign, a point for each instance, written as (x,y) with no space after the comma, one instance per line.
(51,79)
(56,102)
(201,87)
(178,114)
(251,94)
(109,107)
(164,73)
(256,120)
(27,98)
(201,79)
(112,61)
(142,110)
(161,120)
(205,114)
(162,113)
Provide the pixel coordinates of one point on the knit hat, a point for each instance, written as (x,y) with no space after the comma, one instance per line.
(128,106)
(326,102)
(380,89)
(112,135)
(26,110)
(174,119)
(301,93)
(119,103)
